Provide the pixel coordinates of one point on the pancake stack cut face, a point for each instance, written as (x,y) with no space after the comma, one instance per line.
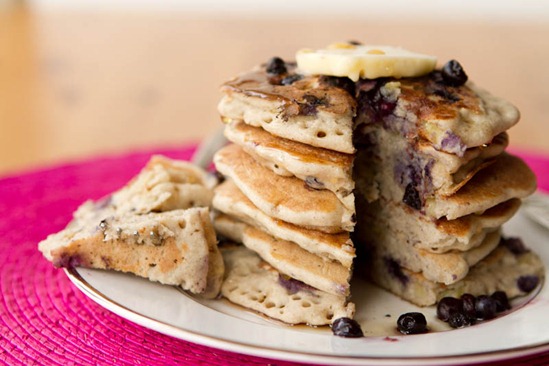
(340,155)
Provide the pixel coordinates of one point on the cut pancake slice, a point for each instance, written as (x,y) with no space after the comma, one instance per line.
(436,236)
(230,200)
(400,167)
(509,177)
(285,198)
(451,118)
(176,247)
(164,184)
(450,172)
(311,110)
(149,228)
(254,284)
(502,270)
(288,258)
(446,268)
(318,168)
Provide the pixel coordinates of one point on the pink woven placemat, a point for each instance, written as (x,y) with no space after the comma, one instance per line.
(45,320)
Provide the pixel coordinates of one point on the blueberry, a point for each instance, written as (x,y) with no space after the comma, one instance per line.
(485,307)
(411,197)
(527,283)
(502,302)
(313,182)
(458,320)
(468,306)
(395,270)
(515,245)
(412,323)
(347,327)
(290,79)
(339,82)
(276,66)
(453,74)
(447,306)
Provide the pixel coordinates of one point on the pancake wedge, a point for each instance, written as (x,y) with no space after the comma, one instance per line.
(293,261)
(254,284)
(284,198)
(318,168)
(231,201)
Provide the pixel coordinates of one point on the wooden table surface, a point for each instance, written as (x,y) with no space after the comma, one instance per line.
(76,84)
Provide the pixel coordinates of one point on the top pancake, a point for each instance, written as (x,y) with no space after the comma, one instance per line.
(452,118)
(309,110)
(320,110)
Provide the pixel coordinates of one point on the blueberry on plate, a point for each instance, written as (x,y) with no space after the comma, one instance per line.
(502,302)
(485,307)
(459,320)
(412,323)
(347,327)
(447,306)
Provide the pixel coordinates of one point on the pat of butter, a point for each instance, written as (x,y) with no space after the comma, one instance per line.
(370,62)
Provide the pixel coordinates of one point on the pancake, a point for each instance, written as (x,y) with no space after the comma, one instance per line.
(230,200)
(309,109)
(396,164)
(446,268)
(319,168)
(254,284)
(436,236)
(508,177)
(285,198)
(164,184)
(500,271)
(450,172)
(176,247)
(451,118)
(293,261)
(149,228)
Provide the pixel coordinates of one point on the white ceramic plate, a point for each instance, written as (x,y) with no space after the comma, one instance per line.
(217,323)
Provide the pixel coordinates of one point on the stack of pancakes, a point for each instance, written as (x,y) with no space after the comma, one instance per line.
(436,155)
(413,171)
(288,193)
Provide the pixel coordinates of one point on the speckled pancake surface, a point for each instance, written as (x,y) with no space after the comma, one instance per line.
(452,118)
(311,109)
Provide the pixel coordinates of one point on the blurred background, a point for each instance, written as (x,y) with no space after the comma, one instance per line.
(86,78)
